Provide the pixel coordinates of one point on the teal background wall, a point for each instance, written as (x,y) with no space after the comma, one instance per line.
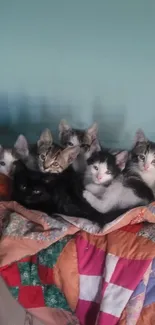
(84,60)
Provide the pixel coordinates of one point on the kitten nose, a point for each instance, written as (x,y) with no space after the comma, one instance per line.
(146,167)
(99,177)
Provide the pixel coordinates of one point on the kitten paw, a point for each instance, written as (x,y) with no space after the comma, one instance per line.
(88,196)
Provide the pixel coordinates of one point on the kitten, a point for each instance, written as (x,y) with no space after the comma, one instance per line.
(101,170)
(51,156)
(9,155)
(28,188)
(7,159)
(86,139)
(110,189)
(141,161)
(56,193)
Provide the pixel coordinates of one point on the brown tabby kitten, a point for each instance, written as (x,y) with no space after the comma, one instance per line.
(52,157)
(86,139)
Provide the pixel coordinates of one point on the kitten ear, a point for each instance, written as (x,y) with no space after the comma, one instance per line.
(63,127)
(139,137)
(92,131)
(95,146)
(121,159)
(21,146)
(70,154)
(45,137)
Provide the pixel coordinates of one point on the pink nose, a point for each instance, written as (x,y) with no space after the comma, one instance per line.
(146,167)
(99,178)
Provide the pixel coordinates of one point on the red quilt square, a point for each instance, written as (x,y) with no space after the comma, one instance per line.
(11,275)
(31,296)
(128,273)
(133,228)
(45,274)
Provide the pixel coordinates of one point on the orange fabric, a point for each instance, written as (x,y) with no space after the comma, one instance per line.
(147,316)
(67,275)
(130,243)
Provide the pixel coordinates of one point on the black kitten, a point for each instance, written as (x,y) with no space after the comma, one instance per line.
(56,193)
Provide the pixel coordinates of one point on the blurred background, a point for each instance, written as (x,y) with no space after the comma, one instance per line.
(81,60)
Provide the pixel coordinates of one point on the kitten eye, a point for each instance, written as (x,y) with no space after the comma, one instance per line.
(70,144)
(55,164)
(95,167)
(2,163)
(142,157)
(153,161)
(36,191)
(108,172)
(23,187)
(42,156)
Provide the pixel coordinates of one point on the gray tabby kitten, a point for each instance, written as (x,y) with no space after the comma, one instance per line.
(52,157)
(142,159)
(86,139)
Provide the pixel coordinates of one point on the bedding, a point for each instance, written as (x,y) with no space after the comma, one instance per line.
(68,271)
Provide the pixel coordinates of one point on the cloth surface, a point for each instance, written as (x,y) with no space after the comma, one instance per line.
(104,276)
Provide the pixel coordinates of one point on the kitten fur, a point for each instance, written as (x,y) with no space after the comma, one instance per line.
(56,193)
(112,189)
(141,161)
(86,139)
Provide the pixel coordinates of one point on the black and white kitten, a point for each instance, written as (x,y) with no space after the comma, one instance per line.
(87,139)
(101,170)
(109,188)
(141,161)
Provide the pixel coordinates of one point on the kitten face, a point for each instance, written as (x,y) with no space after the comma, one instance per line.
(86,139)
(7,159)
(102,167)
(143,156)
(51,157)
(29,186)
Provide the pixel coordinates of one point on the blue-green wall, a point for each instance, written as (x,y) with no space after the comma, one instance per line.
(88,59)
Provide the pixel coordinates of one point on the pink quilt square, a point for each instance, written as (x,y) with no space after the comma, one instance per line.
(128,273)
(91,260)
(87,312)
(107,319)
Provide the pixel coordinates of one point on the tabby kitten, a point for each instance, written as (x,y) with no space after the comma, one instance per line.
(110,189)
(86,139)
(51,156)
(141,161)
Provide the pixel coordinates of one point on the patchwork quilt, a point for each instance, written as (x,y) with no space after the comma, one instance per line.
(68,271)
